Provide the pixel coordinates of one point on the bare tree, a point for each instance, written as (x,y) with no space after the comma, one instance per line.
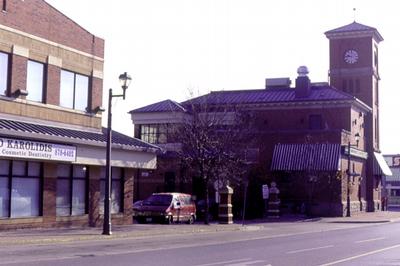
(214,141)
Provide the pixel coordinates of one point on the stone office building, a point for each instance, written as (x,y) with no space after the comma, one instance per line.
(52,144)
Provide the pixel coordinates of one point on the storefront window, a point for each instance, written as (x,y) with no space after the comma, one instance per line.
(25,197)
(71,190)
(79,190)
(34,82)
(24,183)
(116,190)
(74,90)
(3,73)
(4,188)
(25,189)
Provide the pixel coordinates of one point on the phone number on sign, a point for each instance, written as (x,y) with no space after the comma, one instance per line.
(59,152)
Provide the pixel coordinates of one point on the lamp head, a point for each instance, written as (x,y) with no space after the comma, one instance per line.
(125,81)
(357,138)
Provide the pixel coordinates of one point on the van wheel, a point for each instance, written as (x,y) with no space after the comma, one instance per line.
(191,219)
(170,220)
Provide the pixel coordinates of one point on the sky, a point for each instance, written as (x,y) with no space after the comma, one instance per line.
(172,48)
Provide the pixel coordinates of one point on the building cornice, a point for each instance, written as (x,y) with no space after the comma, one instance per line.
(55,44)
(309,104)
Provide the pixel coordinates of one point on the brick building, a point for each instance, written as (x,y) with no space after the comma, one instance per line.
(304,133)
(52,144)
(391,184)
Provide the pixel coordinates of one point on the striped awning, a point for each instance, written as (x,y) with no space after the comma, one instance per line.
(380,165)
(306,157)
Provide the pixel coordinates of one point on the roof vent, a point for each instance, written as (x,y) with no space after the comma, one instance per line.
(302,71)
(277,83)
(303,83)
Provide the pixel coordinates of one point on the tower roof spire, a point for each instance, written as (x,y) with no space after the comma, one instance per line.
(352,29)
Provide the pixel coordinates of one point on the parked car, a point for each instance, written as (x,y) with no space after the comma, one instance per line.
(166,208)
(136,205)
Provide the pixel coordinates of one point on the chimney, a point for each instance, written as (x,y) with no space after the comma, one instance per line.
(303,83)
(277,83)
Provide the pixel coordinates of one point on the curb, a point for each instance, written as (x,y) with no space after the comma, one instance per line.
(64,236)
(360,222)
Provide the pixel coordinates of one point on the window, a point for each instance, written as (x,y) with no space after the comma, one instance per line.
(74,90)
(156,133)
(19,189)
(116,204)
(3,73)
(315,122)
(358,88)
(34,81)
(376,57)
(344,85)
(395,192)
(71,190)
(4,188)
(4,5)
(251,155)
(351,86)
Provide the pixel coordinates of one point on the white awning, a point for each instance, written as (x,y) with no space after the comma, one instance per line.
(380,165)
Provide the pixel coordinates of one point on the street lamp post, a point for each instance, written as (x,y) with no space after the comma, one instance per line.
(349,174)
(125,80)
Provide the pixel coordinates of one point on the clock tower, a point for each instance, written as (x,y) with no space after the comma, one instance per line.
(354,69)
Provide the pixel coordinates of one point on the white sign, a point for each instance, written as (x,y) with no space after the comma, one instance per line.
(265,191)
(218,184)
(17,148)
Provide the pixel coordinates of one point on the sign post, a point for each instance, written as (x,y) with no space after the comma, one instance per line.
(265,194)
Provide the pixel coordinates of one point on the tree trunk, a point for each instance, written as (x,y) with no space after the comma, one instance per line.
(207,210)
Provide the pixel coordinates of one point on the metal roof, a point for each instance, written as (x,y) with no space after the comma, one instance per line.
(270,95)
(354,27)
(318,93)
(101,136)
(163,106)
(306,157)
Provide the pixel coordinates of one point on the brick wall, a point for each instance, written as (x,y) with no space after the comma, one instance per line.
(33,30)
(41,19)
(96,92)
(49,193)
(52,95)
(18,80)
(94,196)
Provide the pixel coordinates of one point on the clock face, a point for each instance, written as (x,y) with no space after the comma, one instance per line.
(351,56)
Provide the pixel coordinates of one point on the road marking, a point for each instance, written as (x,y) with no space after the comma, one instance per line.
(359,256)
(307,249)
(370,240)
(239,262)
(245,263)
(223,262)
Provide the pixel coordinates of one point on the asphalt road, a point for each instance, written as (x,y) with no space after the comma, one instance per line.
(298,244)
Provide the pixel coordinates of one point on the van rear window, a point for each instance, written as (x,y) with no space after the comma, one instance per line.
(158,200)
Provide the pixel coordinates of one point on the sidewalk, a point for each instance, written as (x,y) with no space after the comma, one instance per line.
(367,217)
(140,231)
